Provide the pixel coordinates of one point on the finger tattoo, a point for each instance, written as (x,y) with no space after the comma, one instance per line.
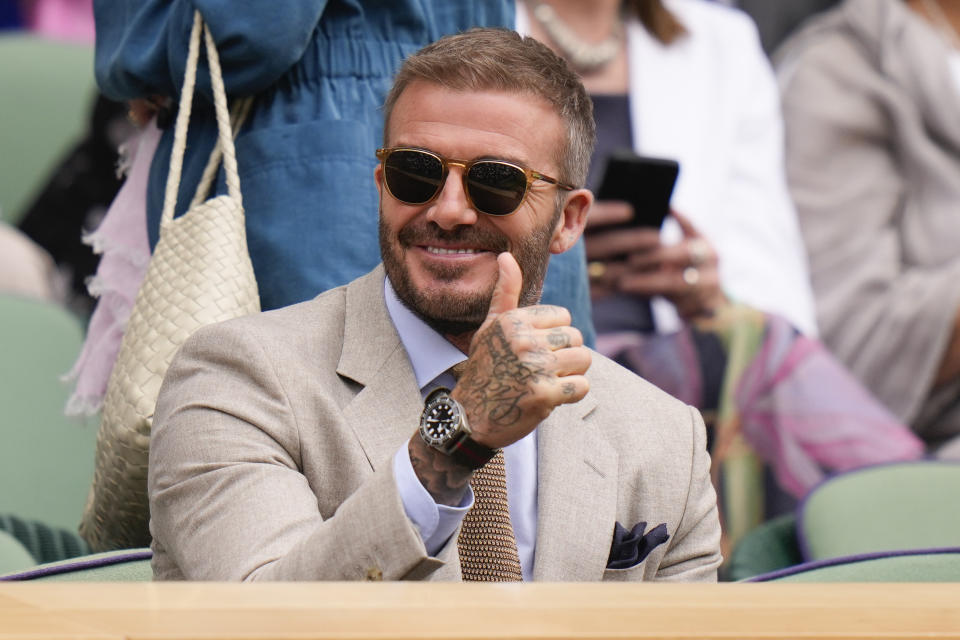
(558,339)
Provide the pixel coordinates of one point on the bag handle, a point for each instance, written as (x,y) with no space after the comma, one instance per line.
(225,137)
(238,115)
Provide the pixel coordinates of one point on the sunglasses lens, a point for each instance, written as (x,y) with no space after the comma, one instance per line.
(496,188)
(413,177)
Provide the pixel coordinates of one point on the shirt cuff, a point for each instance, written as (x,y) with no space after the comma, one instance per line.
(435,522)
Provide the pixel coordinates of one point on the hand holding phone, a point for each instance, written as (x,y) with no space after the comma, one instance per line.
(645,183)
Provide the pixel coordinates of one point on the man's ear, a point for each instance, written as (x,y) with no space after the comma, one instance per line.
(572,220)
(378,179)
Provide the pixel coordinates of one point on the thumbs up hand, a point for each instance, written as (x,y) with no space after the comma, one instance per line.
(524,361)
(506,293)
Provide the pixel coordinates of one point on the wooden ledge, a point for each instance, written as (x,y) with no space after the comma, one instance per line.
(395,611)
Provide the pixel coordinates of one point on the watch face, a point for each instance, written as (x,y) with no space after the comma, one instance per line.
(440,420)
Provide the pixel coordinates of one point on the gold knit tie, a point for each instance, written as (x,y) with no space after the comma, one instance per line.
(487,547)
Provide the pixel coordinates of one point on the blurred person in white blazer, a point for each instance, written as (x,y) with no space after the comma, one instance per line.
(716,306)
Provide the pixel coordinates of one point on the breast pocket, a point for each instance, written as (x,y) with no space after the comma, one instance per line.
(646,569)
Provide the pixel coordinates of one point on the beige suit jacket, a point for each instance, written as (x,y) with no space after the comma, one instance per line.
(271,459)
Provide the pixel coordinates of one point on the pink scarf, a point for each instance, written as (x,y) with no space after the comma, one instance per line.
(122,240)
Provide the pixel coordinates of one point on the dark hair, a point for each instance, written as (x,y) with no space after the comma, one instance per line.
(657,19)
(502,60)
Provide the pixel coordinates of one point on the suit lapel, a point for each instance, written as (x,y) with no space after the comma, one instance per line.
(576,496)
(387,409)
(577,466)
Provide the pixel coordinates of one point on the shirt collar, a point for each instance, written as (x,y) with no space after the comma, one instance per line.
(431,355)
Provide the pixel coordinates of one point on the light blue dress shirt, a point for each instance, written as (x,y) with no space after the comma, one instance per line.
(431,356)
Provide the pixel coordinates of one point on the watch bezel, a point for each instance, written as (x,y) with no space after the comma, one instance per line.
(458,420)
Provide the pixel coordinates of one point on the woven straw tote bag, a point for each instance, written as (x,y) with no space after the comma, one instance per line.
(200,273)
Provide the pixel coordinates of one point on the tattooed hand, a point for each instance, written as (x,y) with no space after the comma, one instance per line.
(523,363)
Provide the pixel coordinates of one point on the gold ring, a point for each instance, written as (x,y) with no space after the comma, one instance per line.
(596,269)
(691,275)
(699,251)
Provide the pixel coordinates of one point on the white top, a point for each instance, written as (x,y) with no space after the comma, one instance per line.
(710,101)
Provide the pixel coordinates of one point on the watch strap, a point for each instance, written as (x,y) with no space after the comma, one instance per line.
(470,453)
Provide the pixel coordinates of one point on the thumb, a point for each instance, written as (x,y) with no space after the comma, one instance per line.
(506,293)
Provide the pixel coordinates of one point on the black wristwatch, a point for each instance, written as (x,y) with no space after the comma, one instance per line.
(443,426)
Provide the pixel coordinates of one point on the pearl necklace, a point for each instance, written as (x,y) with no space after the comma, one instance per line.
(584,57)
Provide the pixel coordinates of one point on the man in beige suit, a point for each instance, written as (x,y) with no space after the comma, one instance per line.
(323,441)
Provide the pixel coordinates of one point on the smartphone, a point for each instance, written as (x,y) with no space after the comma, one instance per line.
(644,182)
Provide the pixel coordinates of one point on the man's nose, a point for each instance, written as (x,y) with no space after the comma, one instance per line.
(451,207)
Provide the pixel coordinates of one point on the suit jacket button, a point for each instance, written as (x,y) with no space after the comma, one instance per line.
(374,574)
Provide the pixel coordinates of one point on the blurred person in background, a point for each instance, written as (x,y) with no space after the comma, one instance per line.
(687,80)
(716,307)
(871,95)
(75,189)
(94,231)
(75,197)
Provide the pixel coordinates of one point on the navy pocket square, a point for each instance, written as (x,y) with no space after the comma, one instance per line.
(630,548)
